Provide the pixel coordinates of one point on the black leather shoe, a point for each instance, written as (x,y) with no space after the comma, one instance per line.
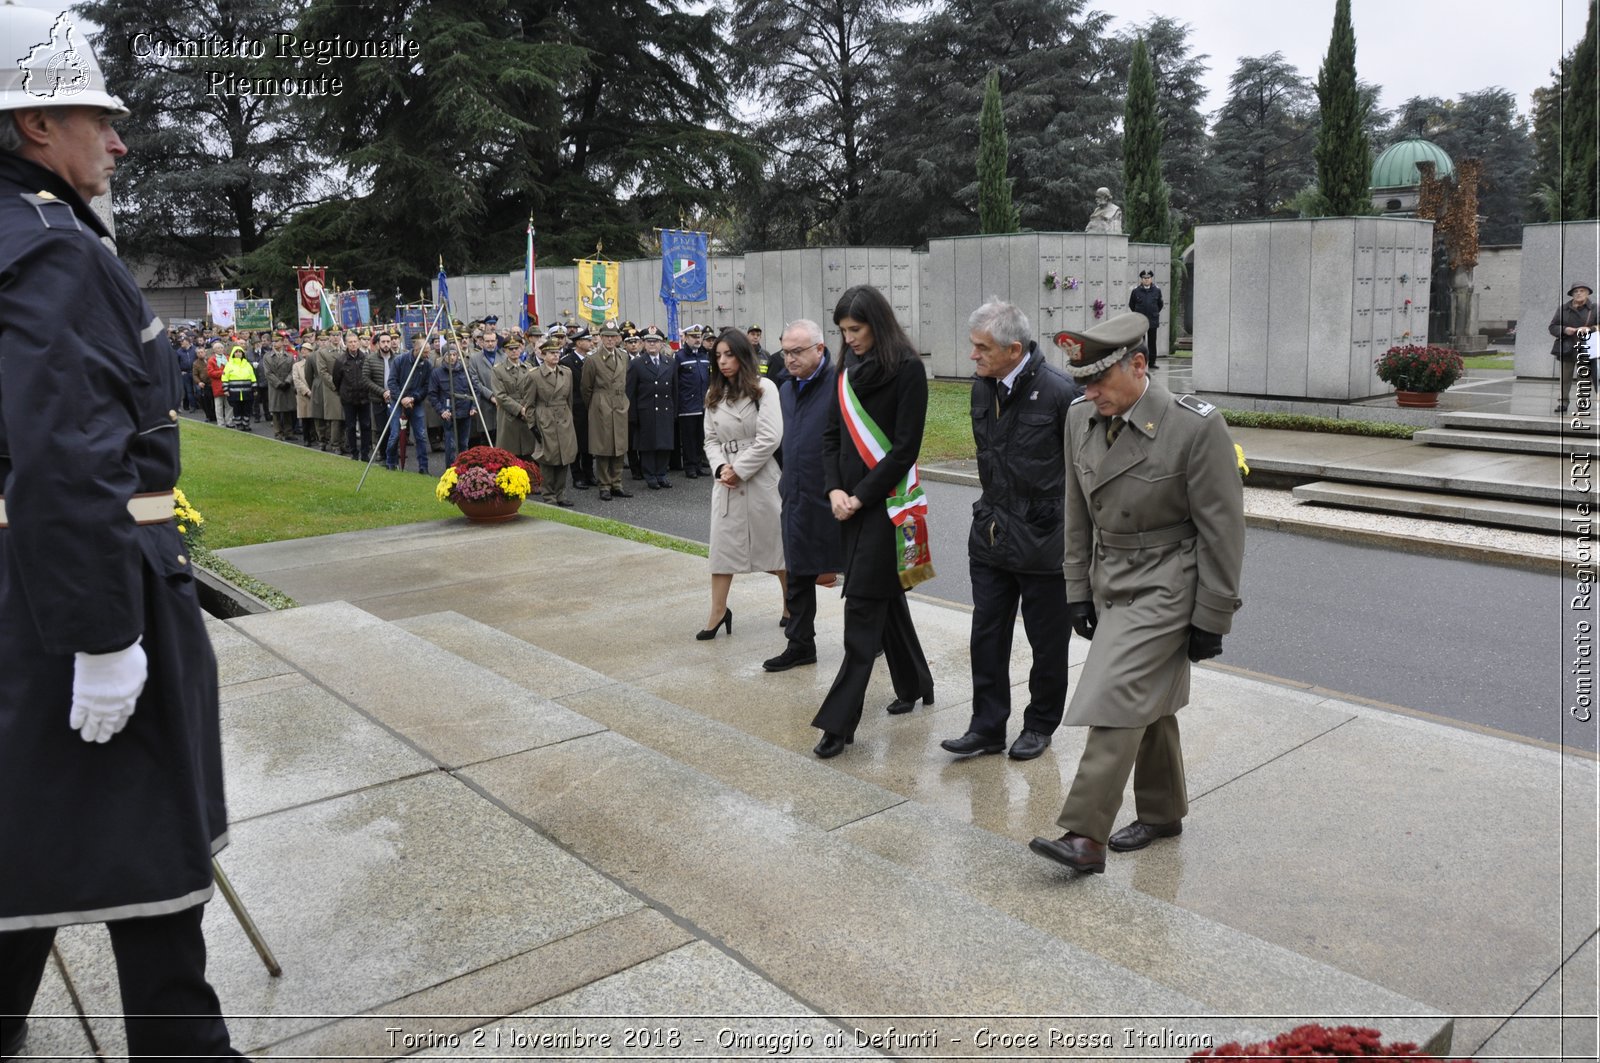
(605,496)
(789,658)
(11,1043)
(617,492)
(652,485)
(970,743)
(665,483)
(1136,835)
(1074,850)
(692,474)
(582,486)
(900,706)
(831,745)
(1029,744)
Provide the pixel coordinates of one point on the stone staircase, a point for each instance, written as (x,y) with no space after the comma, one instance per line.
(458,843)
(1517,476)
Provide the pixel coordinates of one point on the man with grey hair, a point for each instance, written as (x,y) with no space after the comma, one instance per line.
(1019,415)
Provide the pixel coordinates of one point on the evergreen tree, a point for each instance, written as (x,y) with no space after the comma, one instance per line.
(1060,102)
(995,212)
(819,75)
(1344,157)
(1146,205)
(1580,133)
(1263,138)
(1185,145)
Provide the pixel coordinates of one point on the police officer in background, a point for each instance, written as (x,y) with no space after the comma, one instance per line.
(1146,299)
(1154,548)
(110,756)
(1019,419)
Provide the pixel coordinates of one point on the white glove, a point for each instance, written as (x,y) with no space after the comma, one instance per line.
(105,688)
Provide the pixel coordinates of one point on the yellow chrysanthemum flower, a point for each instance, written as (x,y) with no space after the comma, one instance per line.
(446,484)
(1238,453)
(514,482)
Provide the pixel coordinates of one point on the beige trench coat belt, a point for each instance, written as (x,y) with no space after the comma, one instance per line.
(152,507)
(1175,533)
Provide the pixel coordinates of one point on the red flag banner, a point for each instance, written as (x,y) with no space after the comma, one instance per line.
(311,279)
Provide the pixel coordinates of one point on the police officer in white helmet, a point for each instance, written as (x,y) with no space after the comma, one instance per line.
(111,800)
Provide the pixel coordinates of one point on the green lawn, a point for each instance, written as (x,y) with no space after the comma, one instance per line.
(948,433)
(254,490)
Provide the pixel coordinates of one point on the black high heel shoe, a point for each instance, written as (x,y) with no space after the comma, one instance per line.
(711,632)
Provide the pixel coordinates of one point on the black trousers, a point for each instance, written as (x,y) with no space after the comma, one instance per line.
(692,441)
(653,463)
(801,601)
(1151,349)
(996,595)
(358,429)
(868,624)
(169,1009)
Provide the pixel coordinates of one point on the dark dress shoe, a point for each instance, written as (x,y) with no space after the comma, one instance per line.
(566,503)
(605,496)
(899,706)
(972,742)
(582,485)
(692,474)
(1561,407)
(789,658)
(617,492)
(1074,850)
(1029,744)
(1137,835)
(652,485)
(831,745)
(665,482)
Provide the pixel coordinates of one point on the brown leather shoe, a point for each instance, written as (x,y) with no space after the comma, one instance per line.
(1074,850)
(1137,835)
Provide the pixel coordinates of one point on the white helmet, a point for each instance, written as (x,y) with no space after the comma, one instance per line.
(45,61)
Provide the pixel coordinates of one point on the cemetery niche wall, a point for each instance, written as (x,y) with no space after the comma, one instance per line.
(1301,308)
(1555,256)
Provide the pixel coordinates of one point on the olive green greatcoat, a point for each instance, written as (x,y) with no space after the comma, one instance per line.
(513,391)
(1171,477)
(605,393)
(325,404)
(552,413)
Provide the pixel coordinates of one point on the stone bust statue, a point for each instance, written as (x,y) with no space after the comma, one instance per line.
(1107,216)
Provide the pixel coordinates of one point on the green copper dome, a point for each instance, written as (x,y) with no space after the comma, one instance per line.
(1397,166)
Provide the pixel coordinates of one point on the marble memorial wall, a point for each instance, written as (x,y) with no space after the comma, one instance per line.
(1555,256)
(1301,308)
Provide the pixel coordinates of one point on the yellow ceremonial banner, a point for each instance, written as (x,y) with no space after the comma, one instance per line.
(597,290)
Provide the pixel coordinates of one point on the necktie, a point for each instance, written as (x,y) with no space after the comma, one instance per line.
(1114,429)
(1003,391)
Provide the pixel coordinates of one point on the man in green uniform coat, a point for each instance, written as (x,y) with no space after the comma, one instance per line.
(1154,547)
(605,395)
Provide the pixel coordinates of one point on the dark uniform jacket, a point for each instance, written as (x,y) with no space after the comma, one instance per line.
(652,406)
(451,391)
(811,543)
(896,398)
(1017,521)
(360,379)
(93,832)
(1147,301)
(694,377)
(1569,316)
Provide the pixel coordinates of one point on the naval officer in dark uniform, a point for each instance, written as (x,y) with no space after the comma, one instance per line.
(110,758)
(1154,548)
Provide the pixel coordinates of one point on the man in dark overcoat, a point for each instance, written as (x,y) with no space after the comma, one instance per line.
(111,802)
(1014,551)
(1154,548)
(579,348)
(652,407)
(811,543)
(1146,299)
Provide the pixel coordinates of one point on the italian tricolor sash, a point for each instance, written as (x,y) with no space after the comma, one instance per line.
(908,506)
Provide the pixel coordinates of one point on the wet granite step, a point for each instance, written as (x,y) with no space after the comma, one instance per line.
(1528,516)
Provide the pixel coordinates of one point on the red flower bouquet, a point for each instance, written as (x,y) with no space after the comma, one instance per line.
(1313,1041)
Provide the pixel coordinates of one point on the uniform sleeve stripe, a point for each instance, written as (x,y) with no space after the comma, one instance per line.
(152,330)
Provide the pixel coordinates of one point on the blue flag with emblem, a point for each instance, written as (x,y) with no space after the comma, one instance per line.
(683,272)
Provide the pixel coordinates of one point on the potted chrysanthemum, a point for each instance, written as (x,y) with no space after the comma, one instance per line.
(1418,372)
(487,484)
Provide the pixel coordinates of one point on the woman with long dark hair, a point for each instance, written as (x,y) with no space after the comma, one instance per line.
(743,428)
(869,454)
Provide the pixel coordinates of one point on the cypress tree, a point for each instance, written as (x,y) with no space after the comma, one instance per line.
(1148,198)
(1344,157)
(1580,184)
(996,214)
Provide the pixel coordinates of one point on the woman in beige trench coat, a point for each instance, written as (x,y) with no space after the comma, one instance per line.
(743,428)
(552,415)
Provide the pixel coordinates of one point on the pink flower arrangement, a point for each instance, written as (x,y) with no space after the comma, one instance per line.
(1099,309)
(1313,1042)
(1413,367)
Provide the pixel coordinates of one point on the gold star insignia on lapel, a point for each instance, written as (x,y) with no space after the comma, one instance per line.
(45,193)
(1149,426)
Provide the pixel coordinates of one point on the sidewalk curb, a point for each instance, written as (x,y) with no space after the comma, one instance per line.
(1337,533)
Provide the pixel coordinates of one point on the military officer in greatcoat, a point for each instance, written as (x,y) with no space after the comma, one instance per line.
(578,350)
(652,409)
(605,397)
(1154,548)
(111,800)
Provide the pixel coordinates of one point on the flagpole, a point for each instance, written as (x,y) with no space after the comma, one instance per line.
(394,408)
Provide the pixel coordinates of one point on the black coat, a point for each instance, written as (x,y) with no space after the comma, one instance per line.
(811,540)
(1147,301)
(652,406)
(93,832)
(1569,316)
(580,409)
(359,378)
(898,404)
(1018,521)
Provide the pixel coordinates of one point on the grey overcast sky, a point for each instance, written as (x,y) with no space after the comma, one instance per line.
(1410,47)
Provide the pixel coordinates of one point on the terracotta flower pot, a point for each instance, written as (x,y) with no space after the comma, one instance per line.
(489,510)
(1416,400)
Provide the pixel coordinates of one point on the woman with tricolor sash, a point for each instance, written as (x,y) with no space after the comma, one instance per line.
(869,453)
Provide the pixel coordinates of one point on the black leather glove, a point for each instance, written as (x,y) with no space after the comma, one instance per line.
(1203,644)
(1083,618)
